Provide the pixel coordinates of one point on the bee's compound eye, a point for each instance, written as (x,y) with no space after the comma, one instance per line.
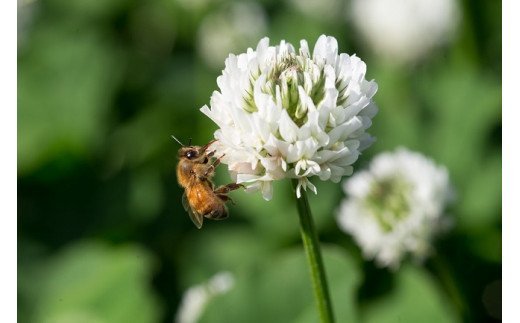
(191,154)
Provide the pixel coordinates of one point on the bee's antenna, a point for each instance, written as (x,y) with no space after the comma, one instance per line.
(189,142)
(177,140)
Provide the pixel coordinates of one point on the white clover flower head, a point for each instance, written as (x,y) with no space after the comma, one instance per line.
(405,30)
(396,206)
(196,298)
(284,113)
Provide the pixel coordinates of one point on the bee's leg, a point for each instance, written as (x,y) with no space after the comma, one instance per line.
(222,191)
(227,188)
(208,172)
(211,168)
(206,146)
(225,198)
(217,161)
(218,214)
(203,171)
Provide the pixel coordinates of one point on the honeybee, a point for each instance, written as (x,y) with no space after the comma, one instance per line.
(194,173)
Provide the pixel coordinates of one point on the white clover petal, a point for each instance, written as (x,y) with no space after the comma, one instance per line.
(326,49)
(304,182)
(308,166)
(288,129)
(304,48)
(267,190)
(259,183)
(295,152)
(344,130)
(284,113)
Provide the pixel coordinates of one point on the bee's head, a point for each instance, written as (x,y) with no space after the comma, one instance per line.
(190,152)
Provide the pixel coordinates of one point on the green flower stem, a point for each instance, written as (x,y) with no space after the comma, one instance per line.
(312,250)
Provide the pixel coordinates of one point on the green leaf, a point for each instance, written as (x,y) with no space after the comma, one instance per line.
(278,289)
(145,194)
(90,282)
(66,83)
(217,247)
(398,120)
(466,105)
(482,200)
(415,298)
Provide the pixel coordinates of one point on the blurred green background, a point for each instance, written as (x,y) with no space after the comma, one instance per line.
(102,236)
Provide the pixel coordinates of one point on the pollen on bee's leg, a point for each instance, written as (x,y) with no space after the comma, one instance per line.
(211,153)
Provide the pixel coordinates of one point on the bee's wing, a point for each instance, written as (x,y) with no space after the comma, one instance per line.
(185,203)
(194,215)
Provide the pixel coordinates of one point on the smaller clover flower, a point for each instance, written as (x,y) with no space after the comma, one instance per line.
(229,28)
(396,206)
(284,113)
(404,31)
(196,298)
